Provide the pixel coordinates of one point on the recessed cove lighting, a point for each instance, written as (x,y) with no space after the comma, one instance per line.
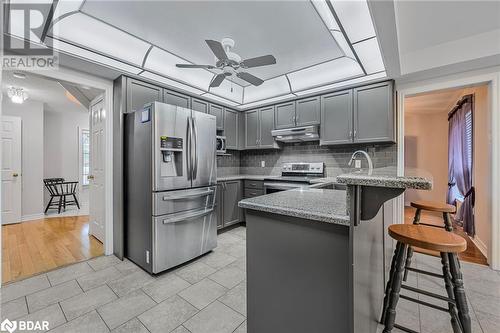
(17,95)
(19,75)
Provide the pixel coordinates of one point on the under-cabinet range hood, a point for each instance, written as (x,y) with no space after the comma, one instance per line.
(296,134)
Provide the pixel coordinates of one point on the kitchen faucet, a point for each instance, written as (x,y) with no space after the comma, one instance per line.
(368,158)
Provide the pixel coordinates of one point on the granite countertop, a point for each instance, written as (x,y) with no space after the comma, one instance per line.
(387,177)
(313,204)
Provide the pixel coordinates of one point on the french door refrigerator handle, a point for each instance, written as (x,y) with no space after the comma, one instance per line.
(188,148)
(185,196)
(195,140)
(189,217)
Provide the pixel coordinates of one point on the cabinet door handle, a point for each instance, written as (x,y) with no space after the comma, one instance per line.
(355,133)
(350,134)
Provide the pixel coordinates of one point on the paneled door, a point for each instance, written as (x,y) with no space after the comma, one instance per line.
(97,115)
(11,169)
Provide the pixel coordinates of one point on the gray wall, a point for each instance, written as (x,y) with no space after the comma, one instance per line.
(335,158)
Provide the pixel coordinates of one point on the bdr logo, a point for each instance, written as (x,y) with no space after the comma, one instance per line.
(24,325)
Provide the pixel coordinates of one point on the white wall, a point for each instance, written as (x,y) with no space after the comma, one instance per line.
(61,144)
(31,113)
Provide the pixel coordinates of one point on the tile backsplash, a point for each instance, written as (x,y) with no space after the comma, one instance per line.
(335,158)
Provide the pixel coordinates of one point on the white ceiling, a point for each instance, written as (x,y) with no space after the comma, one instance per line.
(441,101)
(316,43)
(435,34)
(296,36)
(50,92)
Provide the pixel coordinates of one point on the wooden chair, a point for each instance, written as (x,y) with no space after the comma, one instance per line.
(61,190)
(448,245)
(443,208)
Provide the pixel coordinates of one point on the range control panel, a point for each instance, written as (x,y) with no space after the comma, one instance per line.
(302,167)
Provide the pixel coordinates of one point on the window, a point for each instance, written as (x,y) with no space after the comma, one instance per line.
(85,158)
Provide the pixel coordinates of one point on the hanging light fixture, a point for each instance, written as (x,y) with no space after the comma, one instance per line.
(17,95)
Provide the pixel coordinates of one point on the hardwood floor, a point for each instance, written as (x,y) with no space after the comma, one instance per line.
(472,254)
(37,246)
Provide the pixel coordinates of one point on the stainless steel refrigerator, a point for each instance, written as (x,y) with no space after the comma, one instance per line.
(170,178)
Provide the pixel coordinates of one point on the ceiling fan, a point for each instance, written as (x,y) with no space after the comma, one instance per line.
(230,63)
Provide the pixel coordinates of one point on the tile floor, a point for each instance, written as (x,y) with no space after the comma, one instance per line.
(208,295)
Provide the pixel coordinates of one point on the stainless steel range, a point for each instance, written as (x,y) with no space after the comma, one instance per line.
(294,175)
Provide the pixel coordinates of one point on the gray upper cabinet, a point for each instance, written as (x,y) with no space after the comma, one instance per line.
(308,111)
(284,115)
(175,98)
(231,196)
(231,128)
(241,130)
(336,118)
(252,129)
(374,113)
(258,126)
(266,120)
(140,93)
(218,112)
(199,105)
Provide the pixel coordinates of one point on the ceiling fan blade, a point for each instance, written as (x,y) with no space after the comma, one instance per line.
(250,78)
(217,49)
(195,66)
(217,80)
(259,61)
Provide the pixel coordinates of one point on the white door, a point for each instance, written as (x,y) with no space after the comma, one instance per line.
(97,115)
(11,169)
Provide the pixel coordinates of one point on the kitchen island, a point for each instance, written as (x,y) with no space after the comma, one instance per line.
(316,258)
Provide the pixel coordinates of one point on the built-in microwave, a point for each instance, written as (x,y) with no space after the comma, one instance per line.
(221,144)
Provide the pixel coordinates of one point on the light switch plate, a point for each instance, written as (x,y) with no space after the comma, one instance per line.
(357,164)
(262,164)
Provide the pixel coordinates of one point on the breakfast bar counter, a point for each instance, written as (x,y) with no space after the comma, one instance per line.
(317,257)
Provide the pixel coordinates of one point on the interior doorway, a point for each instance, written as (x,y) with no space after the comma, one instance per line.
(427,146)
(53,209)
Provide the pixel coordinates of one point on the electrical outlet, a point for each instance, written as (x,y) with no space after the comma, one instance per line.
(262,164)
(357,164)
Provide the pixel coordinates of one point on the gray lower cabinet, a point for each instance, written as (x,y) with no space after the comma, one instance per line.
(231,128)
(175,98)
(140,93)
(218,205)
(218,112)
(199,105)
(336,118)
(374,113)
(284,115)
(308,111)
(229,193)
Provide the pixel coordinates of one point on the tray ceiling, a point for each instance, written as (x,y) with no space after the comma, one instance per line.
(316,43)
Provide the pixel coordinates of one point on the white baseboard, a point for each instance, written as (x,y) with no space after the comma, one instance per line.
(481,246)
(31,217)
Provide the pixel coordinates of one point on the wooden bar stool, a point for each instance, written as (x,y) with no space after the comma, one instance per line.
(448,245)
(443,208)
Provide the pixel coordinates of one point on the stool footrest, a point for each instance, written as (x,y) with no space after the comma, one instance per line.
(406,329)
(416,270)
(431,225)
(411,299)
(428,293)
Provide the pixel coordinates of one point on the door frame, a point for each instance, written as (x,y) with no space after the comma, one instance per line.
(70,75)
(489,76)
